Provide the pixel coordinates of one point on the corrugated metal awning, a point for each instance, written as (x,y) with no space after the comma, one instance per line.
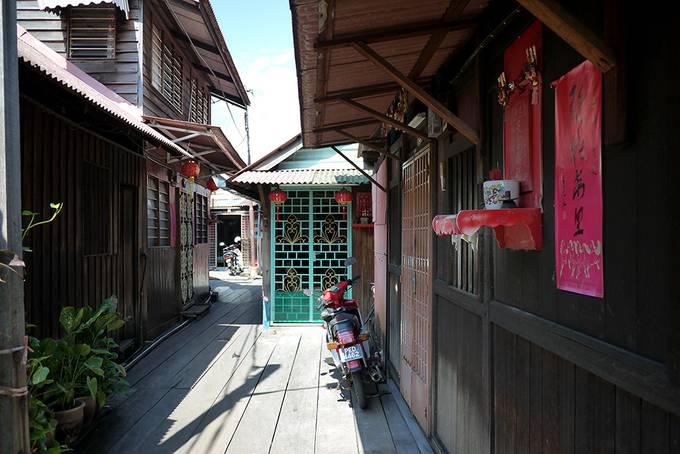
(199,30)
(302,176)
(59,4)
(414,37)
(205,143)
(42,58)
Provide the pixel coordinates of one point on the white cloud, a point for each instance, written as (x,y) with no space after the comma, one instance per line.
(274,110)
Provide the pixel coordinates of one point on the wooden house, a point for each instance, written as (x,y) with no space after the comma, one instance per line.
(161,63)
(547,326)
(308,235)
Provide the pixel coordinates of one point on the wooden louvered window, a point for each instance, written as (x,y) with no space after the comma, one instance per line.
(200,102)
(158,212)
(200,219)
(166,69)
(92,32)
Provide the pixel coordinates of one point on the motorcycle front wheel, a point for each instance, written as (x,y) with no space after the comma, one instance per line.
(358,389)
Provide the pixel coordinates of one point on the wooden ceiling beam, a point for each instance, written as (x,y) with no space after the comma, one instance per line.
(366,91)
(397,32)
(414,89)
(385,119)
(346,125)
(571,30)
(455,9)
(362,171)
(369,145)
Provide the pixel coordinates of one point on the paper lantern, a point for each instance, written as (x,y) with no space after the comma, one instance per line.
(278,198)
(190,169)
(211,185)
(344,198)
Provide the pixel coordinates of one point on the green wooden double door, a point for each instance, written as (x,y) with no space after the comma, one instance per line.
(311,238)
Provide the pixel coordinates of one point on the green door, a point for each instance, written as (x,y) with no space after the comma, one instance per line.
(311,242)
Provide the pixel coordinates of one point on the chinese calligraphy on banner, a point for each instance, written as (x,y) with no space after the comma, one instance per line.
(578,181)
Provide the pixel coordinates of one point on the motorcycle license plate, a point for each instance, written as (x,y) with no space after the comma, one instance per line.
(352,352)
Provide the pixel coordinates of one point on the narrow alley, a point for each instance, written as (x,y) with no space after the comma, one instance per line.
(223,384)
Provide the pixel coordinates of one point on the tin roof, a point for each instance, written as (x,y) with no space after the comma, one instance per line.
(39,56)
(301,176)
(417,38)
(59,4)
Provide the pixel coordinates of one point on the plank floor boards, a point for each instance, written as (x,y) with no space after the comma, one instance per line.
(223,385)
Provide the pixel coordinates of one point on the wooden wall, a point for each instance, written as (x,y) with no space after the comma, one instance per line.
(362,250)
(523,367)
(122,74)
(59,272)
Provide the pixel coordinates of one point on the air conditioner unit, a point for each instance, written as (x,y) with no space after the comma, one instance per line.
(435,125)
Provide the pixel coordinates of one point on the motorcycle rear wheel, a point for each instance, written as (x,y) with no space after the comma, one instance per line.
(358,389)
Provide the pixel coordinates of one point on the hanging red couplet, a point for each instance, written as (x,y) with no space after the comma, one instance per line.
(578,181)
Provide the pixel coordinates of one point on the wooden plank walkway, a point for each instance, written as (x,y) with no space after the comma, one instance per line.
(223,385)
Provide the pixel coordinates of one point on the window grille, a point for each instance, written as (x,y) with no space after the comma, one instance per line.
(158,212)
(200,100)
(97,209)
(200,219)
(166,69)
(92,33)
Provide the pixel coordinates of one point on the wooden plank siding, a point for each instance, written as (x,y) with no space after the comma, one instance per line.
(121,74)
(154,103)
(59,272)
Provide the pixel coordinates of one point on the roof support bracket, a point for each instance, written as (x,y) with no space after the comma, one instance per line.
(414,89)
(369,145)
(385,119)
(363,172)
(571,30)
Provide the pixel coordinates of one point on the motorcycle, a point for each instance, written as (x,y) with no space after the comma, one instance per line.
(232,256)
(349,340)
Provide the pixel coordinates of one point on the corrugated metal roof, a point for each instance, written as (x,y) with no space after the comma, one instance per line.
(303,176)
(67,74)
(59,4)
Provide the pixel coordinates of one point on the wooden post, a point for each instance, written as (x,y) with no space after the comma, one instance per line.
(418,92)
(13,395)
(571,30)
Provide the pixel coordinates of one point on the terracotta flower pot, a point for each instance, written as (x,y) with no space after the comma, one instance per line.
(70,422)
(90,410)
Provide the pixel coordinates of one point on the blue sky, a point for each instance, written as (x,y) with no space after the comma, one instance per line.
(260,38)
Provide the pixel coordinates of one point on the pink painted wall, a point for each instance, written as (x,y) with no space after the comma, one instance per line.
(380,250)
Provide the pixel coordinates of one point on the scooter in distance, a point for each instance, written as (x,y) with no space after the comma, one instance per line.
(233,257)
(349,340)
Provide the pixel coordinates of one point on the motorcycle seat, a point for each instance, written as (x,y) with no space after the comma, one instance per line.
(344,321)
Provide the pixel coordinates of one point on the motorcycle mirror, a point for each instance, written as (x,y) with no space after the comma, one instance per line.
(237,239)
(222,243)
(350,261)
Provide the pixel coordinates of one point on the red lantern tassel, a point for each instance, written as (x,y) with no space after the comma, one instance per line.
(344,212)
(277,214)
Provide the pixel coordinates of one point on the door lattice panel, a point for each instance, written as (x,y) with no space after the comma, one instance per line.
(311,242)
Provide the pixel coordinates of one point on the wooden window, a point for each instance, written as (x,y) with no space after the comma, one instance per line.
(92,32)
(166,69)
(158,212)
(462,196)
(200,219)
(97,209)
(200,103)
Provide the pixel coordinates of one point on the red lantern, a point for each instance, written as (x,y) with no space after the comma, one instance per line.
(278,197)
(190,169)
(211,185)
(344,198)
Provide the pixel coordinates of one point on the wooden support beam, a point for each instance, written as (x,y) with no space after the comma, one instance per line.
(417,91)
(571,30)
(366,91)
(399,32)
(369,145)
(363,172)
(385,119)
(346,125)
(454,10)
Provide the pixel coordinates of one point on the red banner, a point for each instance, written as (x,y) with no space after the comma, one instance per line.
(578,181)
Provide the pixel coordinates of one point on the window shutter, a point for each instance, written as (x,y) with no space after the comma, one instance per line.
(156,58)
(177,83)
(92,32)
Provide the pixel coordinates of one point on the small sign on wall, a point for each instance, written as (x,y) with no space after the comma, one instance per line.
(578,181)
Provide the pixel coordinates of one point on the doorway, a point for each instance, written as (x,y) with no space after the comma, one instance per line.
(416,285)
(127,261)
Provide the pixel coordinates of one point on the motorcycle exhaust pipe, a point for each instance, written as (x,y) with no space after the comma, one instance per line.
(375,374)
